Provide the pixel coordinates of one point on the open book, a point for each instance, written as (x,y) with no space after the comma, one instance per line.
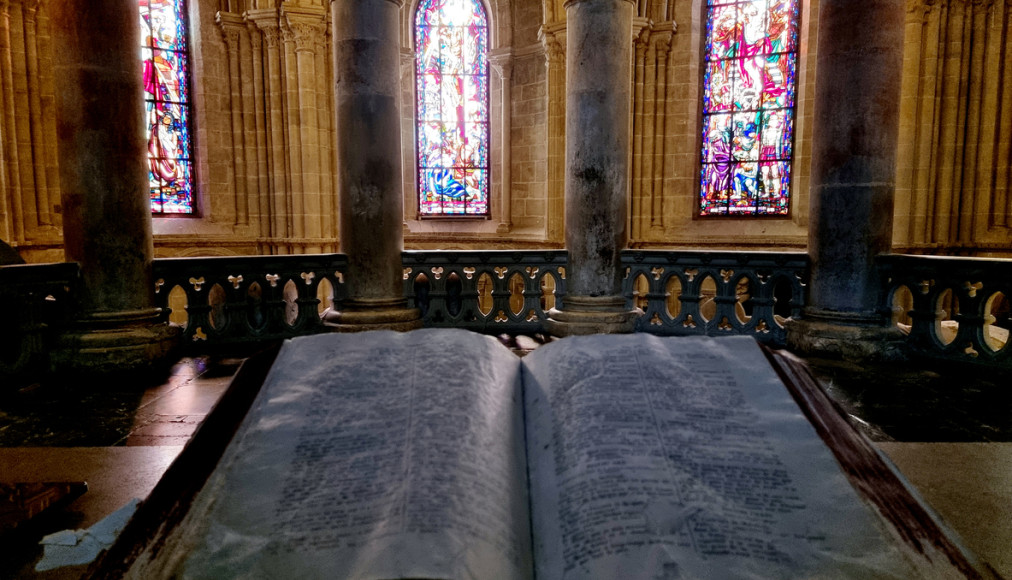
(440,454)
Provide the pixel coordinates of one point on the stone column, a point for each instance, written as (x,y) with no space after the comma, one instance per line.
(367,93)
(853,177)
(103,177)
(598,81)
(502,61)
(553,37)
(307,27)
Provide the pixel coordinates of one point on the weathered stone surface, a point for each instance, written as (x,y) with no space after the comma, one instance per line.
(854,153)
(848,342)
(92,350)
(373,314)
(598,66)
(853,178)
(103,177)
(369,188)
(587,315)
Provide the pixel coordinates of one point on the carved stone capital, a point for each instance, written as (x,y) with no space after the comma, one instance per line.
(255,38)
(641,28)
(502,61)
(305,26)
(272,36)
(553,38)
(661,39)
(231,26)
(271,32)
(641,42)
(306,36)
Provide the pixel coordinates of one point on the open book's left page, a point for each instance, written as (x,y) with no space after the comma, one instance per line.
(373,455)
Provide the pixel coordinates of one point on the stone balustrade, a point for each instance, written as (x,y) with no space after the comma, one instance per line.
(716,293)
(493,292)
(951,308)
(235,300)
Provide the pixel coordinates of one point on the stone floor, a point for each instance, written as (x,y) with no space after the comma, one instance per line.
(948,430)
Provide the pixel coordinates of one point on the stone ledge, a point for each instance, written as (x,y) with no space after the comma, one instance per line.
(845,341)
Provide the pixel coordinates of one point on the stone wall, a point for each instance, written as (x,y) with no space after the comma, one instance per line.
(264,132)
(528,137)
(29,182)
(952,187)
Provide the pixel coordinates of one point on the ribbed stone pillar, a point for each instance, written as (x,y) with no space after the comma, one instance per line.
(857,92)
(103,178)
(367,92)
(598,69)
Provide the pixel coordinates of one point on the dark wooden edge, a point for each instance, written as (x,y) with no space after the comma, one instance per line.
(169,501)
(867,471)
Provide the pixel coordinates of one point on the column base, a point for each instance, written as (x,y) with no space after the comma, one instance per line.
(116,343)
(856,337)
(592,315)
(373,314)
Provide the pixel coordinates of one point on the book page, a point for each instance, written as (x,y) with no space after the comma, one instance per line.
(663,458)
(373,455)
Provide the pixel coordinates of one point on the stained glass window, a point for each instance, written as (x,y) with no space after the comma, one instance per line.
(167,103)
(748,106)
(452,130)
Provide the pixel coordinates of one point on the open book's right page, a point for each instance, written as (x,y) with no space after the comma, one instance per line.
(663,458)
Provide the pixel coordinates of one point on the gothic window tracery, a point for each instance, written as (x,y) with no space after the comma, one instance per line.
(748,107)
(452,108)
(165,55)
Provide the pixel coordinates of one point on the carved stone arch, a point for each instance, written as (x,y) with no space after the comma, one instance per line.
(204,252)
(500,23)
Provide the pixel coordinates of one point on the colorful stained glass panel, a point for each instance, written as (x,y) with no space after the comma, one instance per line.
(167,105)
(748,107)
(451,68)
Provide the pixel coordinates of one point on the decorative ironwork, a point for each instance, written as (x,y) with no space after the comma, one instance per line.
(247,299)
(748,292)
(951,308)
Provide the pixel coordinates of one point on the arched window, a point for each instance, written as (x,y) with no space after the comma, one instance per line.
(452,122)
(748,106)
(167,102)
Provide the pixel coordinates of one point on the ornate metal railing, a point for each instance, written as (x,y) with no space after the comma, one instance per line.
(228,301)
(681,293)
(36,301)
(716,293)
(491,292)
(953,309)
